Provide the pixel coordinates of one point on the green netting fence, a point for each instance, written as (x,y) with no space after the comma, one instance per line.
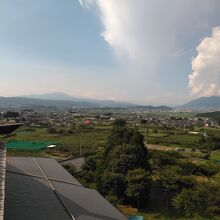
(28,145)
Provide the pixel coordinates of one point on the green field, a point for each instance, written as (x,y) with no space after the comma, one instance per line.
(94,136)
(39,138)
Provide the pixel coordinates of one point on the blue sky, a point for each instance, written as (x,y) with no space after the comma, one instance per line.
(139,51)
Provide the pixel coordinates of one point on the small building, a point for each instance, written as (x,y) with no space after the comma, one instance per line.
(88,122)
(193,132)
(52,146)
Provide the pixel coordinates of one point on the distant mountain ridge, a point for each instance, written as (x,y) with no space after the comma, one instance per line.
(62,101)
(59,96)
(22,103)
(51,96)
(206,103)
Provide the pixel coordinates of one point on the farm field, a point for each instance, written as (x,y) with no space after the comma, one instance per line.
(92,137)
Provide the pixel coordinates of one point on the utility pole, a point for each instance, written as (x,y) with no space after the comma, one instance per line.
(80,147)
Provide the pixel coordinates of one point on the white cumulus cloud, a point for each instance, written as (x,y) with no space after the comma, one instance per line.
(86,3)
(134,30)
(147,31)
(205,77)
(154,41)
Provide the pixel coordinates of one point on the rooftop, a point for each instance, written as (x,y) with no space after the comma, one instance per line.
(40,188)
(6,129)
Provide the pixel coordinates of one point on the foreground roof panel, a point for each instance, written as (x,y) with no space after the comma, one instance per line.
(31,198)
(40,188)
(86,204)
(25,165)
(54,170)
(9,128)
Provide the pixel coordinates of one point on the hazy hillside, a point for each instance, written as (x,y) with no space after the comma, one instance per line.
(20,102)
(55,102)
(66,97)
(58,96)
(208,103)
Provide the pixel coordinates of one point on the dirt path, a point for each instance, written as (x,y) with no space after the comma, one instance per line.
(160,147)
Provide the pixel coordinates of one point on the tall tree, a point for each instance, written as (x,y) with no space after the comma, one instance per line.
(138,184)
(169,179)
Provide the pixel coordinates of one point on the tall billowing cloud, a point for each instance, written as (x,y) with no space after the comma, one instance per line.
(205,77)
(146,31)
(156,39)
(86,3)
(134,30)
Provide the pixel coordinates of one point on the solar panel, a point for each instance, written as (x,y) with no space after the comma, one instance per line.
(52,193)
(25,165)
(54,170)
(6,129)
(86,204)
(31,198)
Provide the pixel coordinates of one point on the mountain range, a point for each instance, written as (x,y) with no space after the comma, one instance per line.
(62,101)
(59,96)
(53,101)
(203,103)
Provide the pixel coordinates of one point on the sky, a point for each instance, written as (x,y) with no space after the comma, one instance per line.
(142,51)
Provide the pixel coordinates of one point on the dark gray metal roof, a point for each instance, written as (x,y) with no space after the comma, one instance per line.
(25,165)
(31,198)
(39,188)
(9,128)
(54,170)
(86,204)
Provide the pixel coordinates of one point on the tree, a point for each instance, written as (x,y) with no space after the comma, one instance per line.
(125,151)
(110,170)
(143,121)
(125,148)
(138,183)
(10,114)
(202,200)
(169,179)
(61,131)
(207,169)
(187,166)
(126,157)
(119,123)
(90,163)
(187,202)
(52,130)
(187,182)
(112,185)
(162,158)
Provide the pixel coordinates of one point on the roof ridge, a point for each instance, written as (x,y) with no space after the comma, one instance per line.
(54,190)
